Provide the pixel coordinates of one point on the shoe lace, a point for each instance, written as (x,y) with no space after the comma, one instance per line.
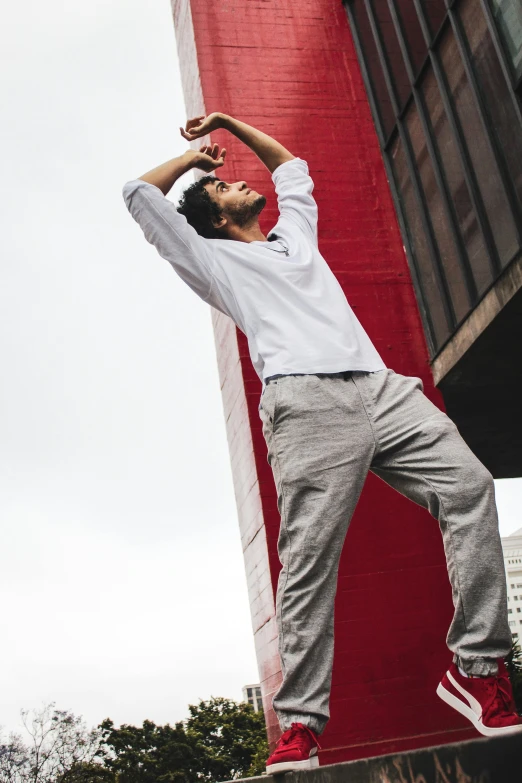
(501,693)
(296,735)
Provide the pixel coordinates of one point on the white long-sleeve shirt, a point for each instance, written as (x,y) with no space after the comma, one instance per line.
(282,294)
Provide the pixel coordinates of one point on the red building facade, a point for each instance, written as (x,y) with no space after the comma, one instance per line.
(291,69)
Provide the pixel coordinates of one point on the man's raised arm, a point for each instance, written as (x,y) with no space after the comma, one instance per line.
(164,176)
(267,149)
(164,227)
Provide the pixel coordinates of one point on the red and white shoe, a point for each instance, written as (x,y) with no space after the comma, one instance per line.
(295,750)
(485,701)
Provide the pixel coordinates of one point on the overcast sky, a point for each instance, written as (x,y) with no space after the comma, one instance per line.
(121,574)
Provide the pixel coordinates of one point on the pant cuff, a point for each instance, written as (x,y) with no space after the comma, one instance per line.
(477,667)
(312,721)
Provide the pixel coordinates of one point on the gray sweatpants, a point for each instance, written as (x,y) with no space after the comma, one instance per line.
(324,433)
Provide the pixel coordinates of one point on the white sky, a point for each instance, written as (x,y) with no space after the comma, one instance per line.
(121,576)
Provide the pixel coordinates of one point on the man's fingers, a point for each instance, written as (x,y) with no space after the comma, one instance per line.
(188,136)
(211,150)
(194,121)
(193,134)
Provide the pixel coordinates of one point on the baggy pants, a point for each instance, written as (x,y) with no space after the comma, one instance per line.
(324,433)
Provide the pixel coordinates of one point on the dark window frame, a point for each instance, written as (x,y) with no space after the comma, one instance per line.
(489,130)
(451,20)
(507,67)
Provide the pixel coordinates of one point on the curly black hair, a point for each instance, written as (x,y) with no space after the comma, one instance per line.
(199,209)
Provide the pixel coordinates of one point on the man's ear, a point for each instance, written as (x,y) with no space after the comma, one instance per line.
(221,224)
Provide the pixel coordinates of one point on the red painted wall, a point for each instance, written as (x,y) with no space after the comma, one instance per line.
(289,67)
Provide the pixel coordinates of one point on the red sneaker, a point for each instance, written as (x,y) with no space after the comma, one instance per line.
(296,749)
(485,701)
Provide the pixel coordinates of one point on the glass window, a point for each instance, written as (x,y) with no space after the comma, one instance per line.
(435,12)
(412,31)
(508,16)
(454,175)
(419,244)
(435,206)
(401,83)
(461,205)
(375,71)
(484,165)
(496,91)
(510,611)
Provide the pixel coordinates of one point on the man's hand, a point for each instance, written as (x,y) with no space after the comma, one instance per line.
(201,126)
(209,158)
(267,149)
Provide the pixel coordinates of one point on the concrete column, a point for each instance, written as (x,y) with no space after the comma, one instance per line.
(289,67)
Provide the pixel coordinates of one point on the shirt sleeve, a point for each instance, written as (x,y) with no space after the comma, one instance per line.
(176,241)
(294,188)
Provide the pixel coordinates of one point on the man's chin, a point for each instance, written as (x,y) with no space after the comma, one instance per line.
(259,204)
(248,210)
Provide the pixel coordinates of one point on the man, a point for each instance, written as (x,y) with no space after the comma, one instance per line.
(331,411)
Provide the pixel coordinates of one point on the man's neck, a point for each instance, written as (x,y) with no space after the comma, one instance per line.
(248,233)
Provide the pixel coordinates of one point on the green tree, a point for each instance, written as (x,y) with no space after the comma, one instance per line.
(514,668)
(221,740)
(150,754)
(231,738)
(88,773)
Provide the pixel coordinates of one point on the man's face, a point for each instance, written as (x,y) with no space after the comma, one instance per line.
(237,202)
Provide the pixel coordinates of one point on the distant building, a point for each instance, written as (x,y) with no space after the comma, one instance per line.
(252,694)
(512,546)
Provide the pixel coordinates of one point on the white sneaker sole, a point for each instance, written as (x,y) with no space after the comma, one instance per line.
(289,766)
(468,713)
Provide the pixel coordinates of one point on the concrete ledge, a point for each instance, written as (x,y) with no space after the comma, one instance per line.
(477,761)
(504,289)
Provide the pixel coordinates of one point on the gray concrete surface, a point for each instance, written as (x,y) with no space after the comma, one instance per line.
(477,761)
